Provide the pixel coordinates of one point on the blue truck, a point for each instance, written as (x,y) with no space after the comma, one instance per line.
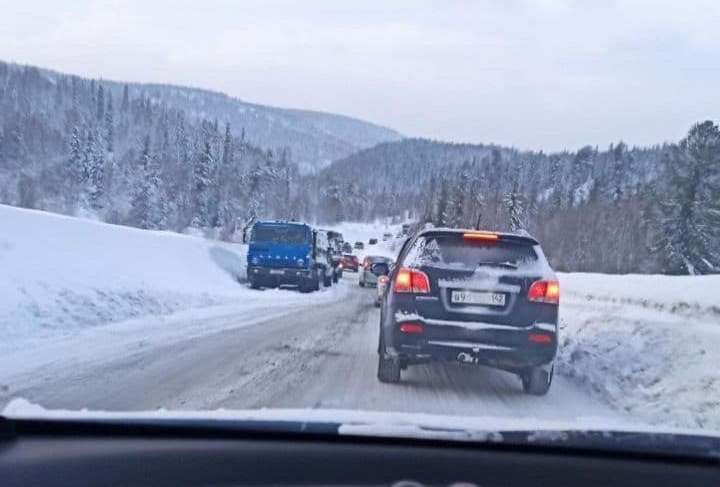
(282,253)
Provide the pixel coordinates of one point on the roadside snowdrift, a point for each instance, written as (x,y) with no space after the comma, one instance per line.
(648,344)
(59,275)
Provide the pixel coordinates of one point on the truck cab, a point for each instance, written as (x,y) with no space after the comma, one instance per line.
(284,253)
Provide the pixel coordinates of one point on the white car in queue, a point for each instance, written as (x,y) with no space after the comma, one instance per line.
(367,278)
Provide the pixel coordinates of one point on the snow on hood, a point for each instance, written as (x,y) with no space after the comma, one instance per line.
(359,422)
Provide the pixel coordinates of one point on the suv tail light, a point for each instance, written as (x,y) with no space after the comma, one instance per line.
(412,328)
(545,292)
(411,281)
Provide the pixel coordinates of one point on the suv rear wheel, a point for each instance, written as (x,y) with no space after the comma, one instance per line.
(537,380)
(388,368)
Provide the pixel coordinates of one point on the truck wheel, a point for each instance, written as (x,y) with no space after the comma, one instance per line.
(316,282)
(254,284)
(388,368)
(537,380)
(327,280)
(336,276)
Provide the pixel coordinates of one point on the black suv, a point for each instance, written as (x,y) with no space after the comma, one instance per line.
(470,296)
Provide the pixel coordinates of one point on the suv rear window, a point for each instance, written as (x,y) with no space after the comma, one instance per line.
(453,251)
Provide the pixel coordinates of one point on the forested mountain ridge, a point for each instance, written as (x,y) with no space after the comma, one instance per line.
(313,139)
(620,209)
(124,154)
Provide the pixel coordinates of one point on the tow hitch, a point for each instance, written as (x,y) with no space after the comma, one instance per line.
(466,358)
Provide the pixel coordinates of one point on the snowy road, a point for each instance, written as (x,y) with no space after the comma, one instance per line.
(306,357)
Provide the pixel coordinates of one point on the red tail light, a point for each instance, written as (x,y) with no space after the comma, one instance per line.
(540,338)
(412,328)
(545,292)
(411,281)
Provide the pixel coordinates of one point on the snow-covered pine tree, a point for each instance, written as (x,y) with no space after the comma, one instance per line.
(100,115)
(201,185)
(96,174)
(125,104)
(513,202)
(688,223)
(556,180)
(109,125)
(443,205)
(141,212)
(580,172)
(73,164)
(463,196)
(618,176)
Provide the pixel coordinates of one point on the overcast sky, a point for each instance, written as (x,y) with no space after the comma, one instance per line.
(541,75)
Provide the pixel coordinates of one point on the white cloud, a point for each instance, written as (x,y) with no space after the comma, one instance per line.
(546,74)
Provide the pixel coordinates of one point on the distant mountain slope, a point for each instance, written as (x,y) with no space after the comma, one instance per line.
(408,160)
(314,138)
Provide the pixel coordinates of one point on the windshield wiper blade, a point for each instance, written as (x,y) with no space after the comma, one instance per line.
(506,264)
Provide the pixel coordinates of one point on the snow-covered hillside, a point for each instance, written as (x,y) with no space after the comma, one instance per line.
(60,275)
(648,344)
(315,139)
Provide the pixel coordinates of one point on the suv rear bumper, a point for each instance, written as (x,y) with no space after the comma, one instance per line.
(501,346)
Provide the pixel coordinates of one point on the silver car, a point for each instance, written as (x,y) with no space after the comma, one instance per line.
(367,276)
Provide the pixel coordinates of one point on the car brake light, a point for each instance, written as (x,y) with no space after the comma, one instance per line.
(539,338)
(412,328)
(545,292)
(487,236)
(412,281)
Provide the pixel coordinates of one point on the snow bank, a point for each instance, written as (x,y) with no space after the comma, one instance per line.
(59,275)
(647,344)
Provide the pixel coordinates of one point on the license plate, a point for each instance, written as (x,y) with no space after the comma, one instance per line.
(277,271)
(473,297)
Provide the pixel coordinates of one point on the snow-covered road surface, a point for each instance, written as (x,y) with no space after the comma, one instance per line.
(301,356)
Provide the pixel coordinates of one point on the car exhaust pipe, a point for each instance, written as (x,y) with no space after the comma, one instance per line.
(466,358)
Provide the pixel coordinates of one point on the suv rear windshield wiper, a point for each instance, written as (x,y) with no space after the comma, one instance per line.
(506,264)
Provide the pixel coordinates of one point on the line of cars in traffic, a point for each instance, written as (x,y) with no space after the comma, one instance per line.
(476,297)
(289,253)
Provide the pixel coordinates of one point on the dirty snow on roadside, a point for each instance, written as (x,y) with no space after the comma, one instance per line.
(647,344)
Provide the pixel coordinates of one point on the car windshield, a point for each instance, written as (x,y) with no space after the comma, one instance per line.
(192,200)
(293,234)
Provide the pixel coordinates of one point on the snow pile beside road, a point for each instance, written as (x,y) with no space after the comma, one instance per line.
(648,344)
(59,275)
